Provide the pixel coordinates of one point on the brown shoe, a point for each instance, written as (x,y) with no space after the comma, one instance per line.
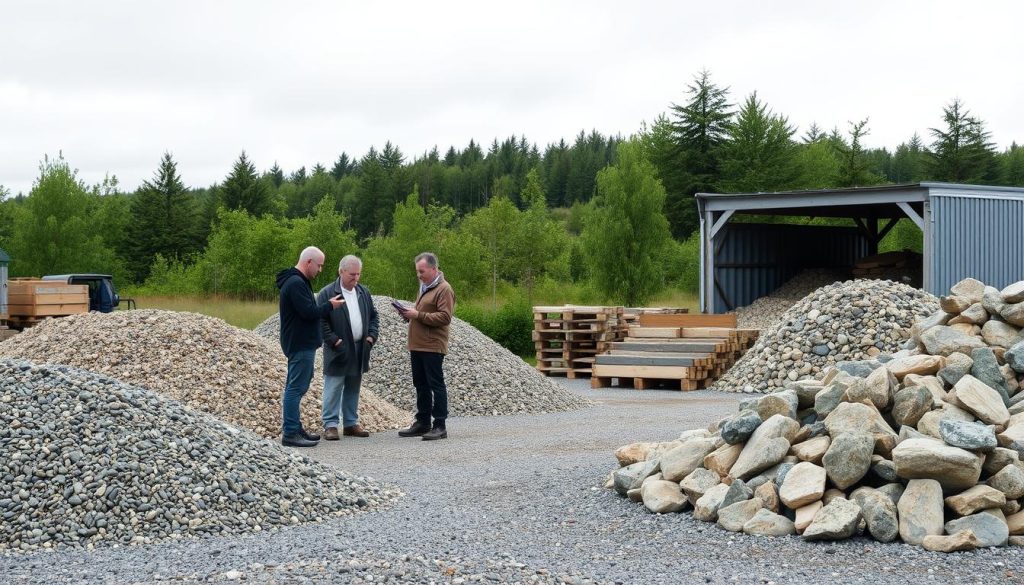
(331,434)
(355,431)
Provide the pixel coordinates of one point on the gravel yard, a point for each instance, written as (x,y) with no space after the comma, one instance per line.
(516,499)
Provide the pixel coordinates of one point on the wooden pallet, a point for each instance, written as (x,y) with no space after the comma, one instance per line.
(645,383)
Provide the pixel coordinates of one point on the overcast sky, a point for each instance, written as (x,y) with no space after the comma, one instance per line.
(113,85)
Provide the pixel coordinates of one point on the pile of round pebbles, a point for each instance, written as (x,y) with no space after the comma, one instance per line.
(92,461)
(483,378)
(202,361)
(767,310)
(844,321)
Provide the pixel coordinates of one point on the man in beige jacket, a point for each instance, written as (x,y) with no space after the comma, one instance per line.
(428,344)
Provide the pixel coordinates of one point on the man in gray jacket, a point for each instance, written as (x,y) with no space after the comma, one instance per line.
(349,333)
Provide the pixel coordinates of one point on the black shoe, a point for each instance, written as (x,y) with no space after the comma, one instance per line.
(436,433)
(297,440)
(417,429)
(309,436)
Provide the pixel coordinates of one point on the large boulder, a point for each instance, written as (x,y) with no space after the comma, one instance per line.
(698,483)
(961,541)
(1015,357)
(910,404)
(1013,313)
(739,427)
(663,497)
(986,369)
(861,418)
(1009,481)
(706,507)
(680,461)
(991,529)
(812,449)
(784,402)
(920,510)
(734,516)
(944,340)
(1013,293)
(970,289)
(982,400)
(836,521)
(880,515)
(1000,334)
(920,365)
(804,484)
(967,435)
(954,468)
(848,458)
(723,458)
(767,446)
(631,477)
(767,523)
(975,499)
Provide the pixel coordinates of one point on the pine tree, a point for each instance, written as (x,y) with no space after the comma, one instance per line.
(342,167)
(244,190)
(276,175)
(853,164)
(163,220)
(962,153)
(759,154)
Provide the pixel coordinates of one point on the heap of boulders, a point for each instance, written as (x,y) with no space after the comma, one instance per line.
(923,445)
(766,311)
(90,461)
(844,321)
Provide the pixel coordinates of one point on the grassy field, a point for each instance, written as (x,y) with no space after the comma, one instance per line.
(244,314)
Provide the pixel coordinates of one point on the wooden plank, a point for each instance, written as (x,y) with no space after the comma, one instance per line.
(40,310)
(653,332)
(661,372)
(651,359)
(688,320)
(23,298)
(691,347)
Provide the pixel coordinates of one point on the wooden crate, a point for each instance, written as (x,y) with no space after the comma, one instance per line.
(30,299)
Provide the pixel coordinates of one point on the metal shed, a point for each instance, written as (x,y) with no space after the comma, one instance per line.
(969,231)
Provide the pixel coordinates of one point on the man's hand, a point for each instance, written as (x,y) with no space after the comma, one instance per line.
(336,301)
(337,343)
(410,314)
(369,339)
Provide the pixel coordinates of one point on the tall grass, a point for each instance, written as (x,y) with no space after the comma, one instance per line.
(240,313)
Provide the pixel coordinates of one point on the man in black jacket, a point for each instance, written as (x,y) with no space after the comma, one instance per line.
(349,334)
(300,336)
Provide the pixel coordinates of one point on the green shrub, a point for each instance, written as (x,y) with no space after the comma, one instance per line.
(511,325)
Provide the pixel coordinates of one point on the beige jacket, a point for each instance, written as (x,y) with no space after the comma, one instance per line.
(429,330)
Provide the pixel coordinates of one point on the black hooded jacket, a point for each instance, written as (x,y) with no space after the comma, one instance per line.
(300,315)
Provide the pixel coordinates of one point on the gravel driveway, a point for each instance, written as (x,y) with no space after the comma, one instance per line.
(517,499)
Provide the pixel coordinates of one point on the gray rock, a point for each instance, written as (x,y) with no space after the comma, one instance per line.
(1013,313)
(954,468)
(968,435)
(734,516)
(767,523)
(1000,334)
(785,402)
(631,477)
(764,447)
(737,492)
(990,530)
(1013,293)
(884,470)
(848,458)
(880,515)
(1010,481)
(986,369)
(958,365)
(740,426)
(920,510)
(836,521)
(910,404)
(893,491)
(698,483)
(678,462)
(999,458)
(970,289)
(828,399)
(944,340)
(1015,357)
(663,497)
(860,368)
(706,507)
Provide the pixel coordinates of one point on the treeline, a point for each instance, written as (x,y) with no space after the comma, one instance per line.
(599,219)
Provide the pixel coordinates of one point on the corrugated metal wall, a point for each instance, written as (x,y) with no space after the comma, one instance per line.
(977,237)
(3,289)
(756,259)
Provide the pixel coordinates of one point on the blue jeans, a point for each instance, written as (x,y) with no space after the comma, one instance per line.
(341,391)
(300,372)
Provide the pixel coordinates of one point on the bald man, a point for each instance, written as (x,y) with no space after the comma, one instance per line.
(300,337)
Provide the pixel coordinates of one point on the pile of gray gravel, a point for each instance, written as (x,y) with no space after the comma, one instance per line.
(767,310)
(202,361)
(483,377)
(844,321)
(91,461)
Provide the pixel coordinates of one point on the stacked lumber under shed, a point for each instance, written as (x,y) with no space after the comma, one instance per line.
(685,352)
(902,266)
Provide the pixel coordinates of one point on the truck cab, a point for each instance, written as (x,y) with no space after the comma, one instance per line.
(102,296)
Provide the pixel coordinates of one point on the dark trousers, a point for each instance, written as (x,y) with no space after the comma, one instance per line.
(431,393)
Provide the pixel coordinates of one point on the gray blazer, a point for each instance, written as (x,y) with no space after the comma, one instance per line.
(349,359)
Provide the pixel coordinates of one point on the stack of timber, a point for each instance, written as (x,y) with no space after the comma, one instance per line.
(902,266)
(631,315)
(684,352)
(30,301)
(567,337)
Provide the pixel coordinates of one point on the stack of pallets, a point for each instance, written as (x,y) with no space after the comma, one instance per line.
(683,352)
(567,337)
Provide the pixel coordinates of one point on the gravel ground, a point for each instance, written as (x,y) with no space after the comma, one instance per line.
(517,499)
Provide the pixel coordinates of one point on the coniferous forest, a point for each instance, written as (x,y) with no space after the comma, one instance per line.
(592,218)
